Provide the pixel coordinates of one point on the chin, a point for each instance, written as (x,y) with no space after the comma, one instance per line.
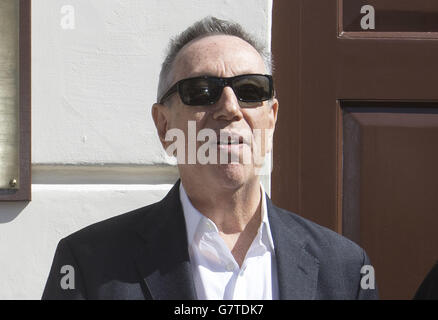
(233,175)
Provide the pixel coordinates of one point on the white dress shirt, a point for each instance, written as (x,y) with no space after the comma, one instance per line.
(216,274)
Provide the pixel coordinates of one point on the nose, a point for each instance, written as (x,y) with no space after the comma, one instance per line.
(227,108)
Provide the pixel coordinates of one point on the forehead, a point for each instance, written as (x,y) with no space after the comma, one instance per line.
(217,55)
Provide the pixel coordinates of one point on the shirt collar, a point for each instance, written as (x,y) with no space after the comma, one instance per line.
(193,217)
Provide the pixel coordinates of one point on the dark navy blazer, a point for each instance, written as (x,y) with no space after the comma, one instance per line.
(143,254)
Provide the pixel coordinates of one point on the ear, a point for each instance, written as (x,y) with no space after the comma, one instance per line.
(160,114)
(274,109)
(273,120)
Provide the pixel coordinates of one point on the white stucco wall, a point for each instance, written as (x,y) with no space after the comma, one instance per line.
(94,147)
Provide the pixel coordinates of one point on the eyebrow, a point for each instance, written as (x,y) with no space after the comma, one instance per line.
(210,74)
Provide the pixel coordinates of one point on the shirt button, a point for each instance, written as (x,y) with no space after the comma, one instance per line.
(230,266)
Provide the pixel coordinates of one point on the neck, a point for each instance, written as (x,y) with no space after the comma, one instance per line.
(231,209)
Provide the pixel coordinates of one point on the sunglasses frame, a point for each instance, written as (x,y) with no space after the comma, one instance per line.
(226,82)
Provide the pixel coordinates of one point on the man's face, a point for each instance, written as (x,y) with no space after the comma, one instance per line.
(221,56)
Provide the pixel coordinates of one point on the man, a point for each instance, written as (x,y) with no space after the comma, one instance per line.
(216,235)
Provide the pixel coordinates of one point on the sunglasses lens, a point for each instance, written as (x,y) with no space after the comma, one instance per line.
(207,90)
(253,88)
(200,91)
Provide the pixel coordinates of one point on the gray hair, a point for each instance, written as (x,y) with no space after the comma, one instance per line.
(207,27)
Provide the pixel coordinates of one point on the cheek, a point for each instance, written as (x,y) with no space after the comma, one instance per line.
(260,122)
(259,118)
(183,115)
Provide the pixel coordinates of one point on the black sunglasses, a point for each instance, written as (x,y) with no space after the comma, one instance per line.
(207,90)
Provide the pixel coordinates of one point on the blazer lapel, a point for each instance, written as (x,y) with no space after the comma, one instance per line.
(297,269)
(164,262)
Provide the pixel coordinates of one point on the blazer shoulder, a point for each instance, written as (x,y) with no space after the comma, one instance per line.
(114,228)
(340,261)
(100,254)
(320,240)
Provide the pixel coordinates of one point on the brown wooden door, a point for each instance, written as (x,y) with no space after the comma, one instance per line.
(356,146)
